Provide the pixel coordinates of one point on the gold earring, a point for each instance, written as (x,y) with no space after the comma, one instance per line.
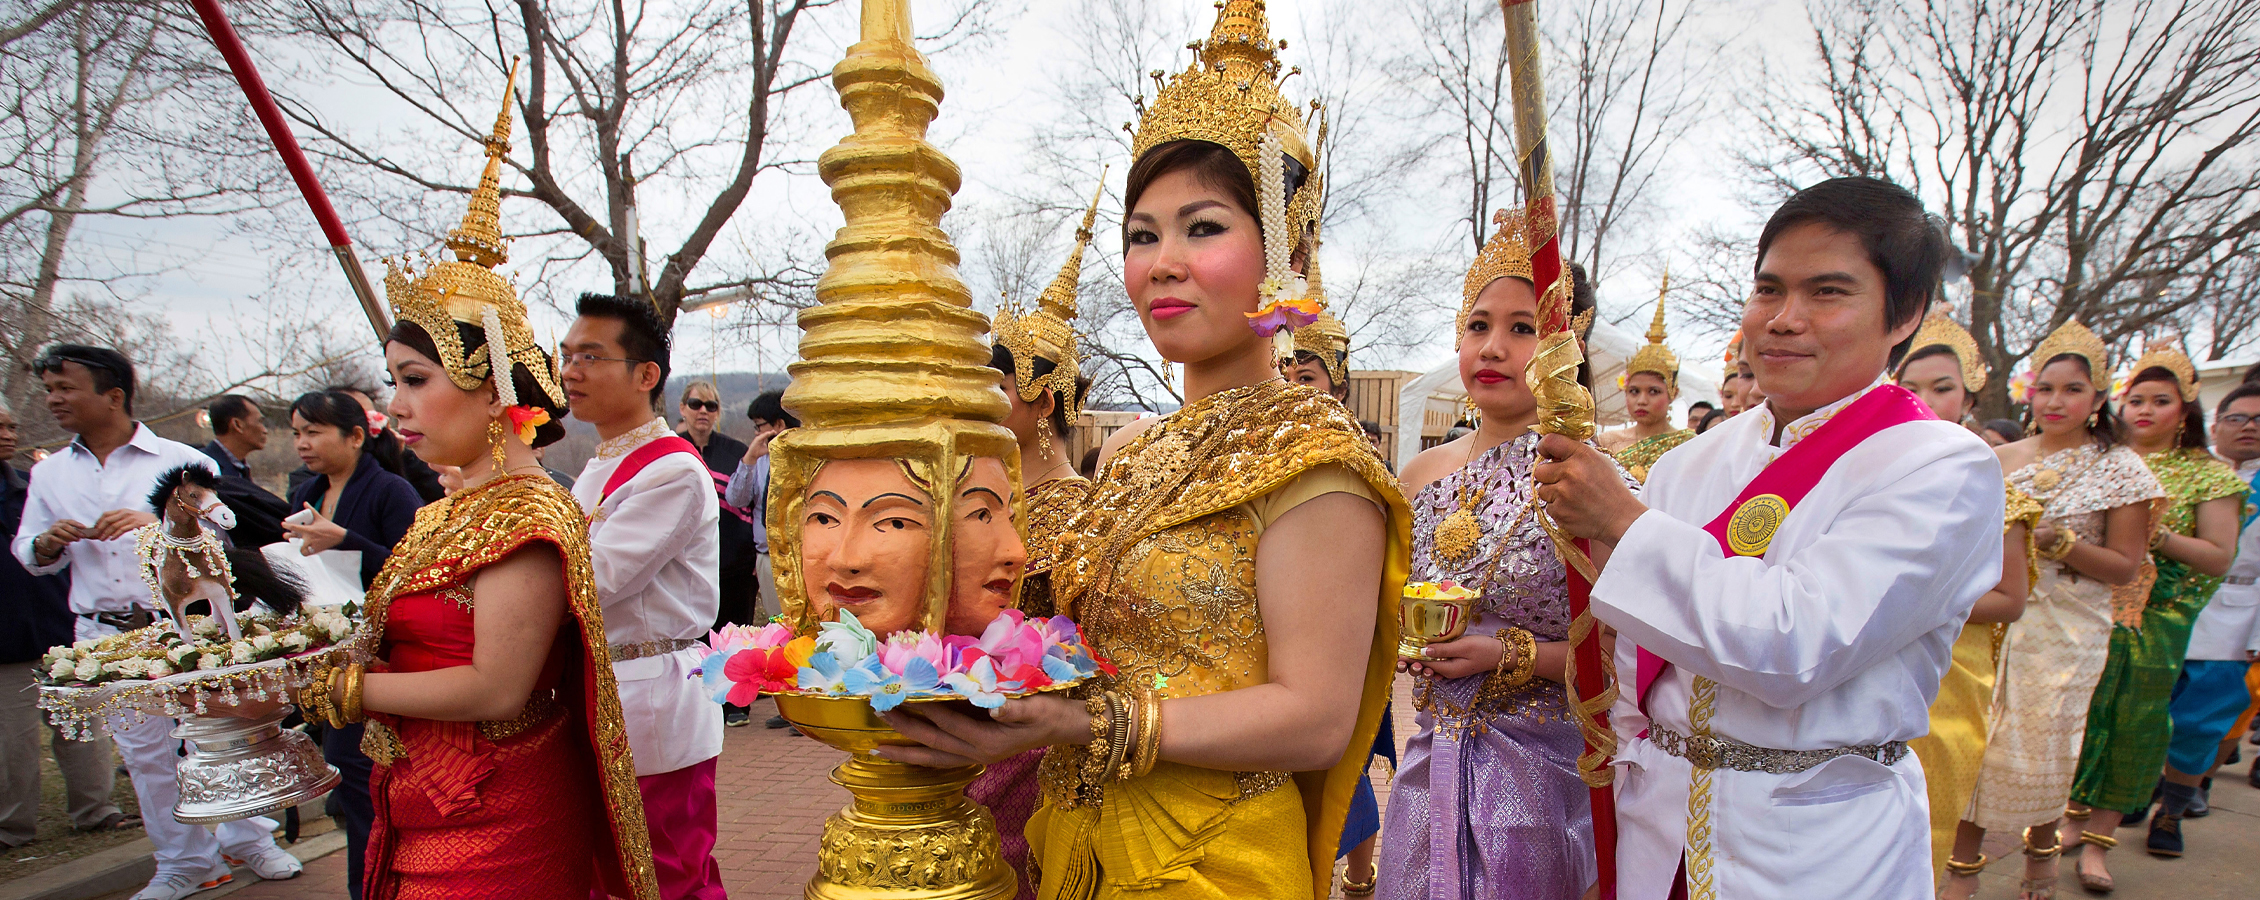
(1044,437)
(494,438)
(1169,374)
(1471,412)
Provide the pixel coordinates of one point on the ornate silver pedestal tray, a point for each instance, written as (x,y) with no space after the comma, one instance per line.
(235,767)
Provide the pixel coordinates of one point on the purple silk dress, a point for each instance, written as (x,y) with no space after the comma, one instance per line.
(1488,803)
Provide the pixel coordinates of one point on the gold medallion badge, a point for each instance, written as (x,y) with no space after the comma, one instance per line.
(1754,523)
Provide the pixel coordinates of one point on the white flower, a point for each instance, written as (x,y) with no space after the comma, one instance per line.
(61,669)
(240,653)
(85,645)
(179,653)
(87,670)
(208,662)
(207,626)
(130,667)
(265,643)
(158,668)
(296,641)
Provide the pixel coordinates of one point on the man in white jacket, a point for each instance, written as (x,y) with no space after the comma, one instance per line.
(1787,588)
(654,546)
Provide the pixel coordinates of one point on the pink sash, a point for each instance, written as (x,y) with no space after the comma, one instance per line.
(644,456)
(1793,474)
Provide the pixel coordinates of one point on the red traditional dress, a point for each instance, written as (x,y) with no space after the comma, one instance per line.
(543,805)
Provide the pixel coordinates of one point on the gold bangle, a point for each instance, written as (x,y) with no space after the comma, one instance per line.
(314,698)
(1149,733)
(347,697)
(1093,769)
(1524,647)
(2061,547)
(1118,753)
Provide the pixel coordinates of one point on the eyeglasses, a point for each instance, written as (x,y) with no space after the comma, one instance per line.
(568,361)
(703,405)
(2238,420)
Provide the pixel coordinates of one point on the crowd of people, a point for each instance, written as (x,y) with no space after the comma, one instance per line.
(1852,629)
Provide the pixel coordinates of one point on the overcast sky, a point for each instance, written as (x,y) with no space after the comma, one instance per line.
(204,273)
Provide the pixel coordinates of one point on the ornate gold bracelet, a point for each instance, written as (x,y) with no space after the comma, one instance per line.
(346,696)
(1149,733)
(1093,769)
(2062,547)
(1520,646)
(1118,749)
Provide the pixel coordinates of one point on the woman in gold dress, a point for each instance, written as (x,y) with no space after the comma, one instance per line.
(1037,366)
(1240,558)
(1944,369)
(1651,383)
(2094,536)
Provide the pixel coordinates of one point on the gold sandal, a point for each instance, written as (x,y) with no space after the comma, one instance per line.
(2045,887)
(2102,885)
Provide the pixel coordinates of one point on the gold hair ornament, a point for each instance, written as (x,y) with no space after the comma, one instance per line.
(1653,357)
(2166,353)
(1940,330)
(2074,339)
(1505,255)
(1048,331)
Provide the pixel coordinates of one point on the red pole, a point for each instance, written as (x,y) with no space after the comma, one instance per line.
(255,89)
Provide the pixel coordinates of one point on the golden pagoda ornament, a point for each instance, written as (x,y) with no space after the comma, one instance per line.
(899,406)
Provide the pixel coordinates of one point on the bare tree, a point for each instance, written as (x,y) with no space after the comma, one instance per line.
(663,113)
(2094,160)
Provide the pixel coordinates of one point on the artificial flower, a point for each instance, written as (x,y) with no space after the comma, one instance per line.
(824,673)
(524,419)
(1283,314)
(157,668)
(846,639)
(903,647)
(87,669)
(756,672)
(61,669)
(711,670)
(377,421)
(798,650)
(978,684)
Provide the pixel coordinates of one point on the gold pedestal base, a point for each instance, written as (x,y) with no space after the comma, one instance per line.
(908,833)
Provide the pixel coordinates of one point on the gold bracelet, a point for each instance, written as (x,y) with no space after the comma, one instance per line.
(1149,733)
(1118,753)
(1525,654)
(2159,540)
(2062,546)
(347,697)
(314,699)
(1093,769)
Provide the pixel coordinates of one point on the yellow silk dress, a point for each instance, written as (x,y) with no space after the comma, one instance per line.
(1955,747)
(1159,568)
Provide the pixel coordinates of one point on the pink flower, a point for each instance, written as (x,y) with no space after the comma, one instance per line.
(732,638)
(903,647)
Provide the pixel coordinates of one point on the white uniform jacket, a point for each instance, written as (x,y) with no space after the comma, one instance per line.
(2230,624)
(657,552)
(1836,637)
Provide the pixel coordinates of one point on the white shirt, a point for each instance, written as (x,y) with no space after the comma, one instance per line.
(2230,624)
(1837,636)
(72,484)
(656,548)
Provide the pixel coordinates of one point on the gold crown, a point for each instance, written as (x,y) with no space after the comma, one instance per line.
(1230,97)
(1505,255)
(2166,353)
(1939,330)
(1326,338)
(1048,331)
(466,289)
(2073,339)
(1654,357)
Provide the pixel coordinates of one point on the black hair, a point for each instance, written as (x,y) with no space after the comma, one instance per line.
(1001,360)
(1701,404)
(769,406)
(109,369)
(1372,428)
(1709,419)
(530,392)
(2193,413)
(1906,243)
(2104,428)
(1212,165)
(347,387)
(224,411)
(1582,300)
(642,336)
(254,578)
(2008,429)
(339,410)
(2240,392)
(1931,351)
(1089,467)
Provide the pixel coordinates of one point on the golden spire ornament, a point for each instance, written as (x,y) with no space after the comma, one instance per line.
(1653,357)
(1325,337)
(893,386)
(1048,331)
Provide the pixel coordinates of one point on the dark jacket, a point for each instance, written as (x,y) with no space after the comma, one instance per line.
(258,512)
(419,474)
(375,509)
(35,611)
(721,454)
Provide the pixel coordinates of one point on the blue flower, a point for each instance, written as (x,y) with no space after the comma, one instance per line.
(1060,671)
(979,685)
(710,671)
(823,673)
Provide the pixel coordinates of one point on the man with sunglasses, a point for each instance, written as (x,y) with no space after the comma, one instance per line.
(652,520)
(85,503)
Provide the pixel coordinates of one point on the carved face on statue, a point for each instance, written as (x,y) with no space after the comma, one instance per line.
(986,553)
(865,534)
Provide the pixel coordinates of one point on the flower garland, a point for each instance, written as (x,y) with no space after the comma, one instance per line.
(157,651)
(1013,657)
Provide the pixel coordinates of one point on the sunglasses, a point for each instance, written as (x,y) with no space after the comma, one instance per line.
(703,405)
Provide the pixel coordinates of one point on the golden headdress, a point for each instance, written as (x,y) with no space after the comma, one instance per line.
(1653,357)
(1048,331)
(1325,337)
(1938,330)
(466,289)
(2166,353)
(2073,339)
(1505,255)
(1230,97)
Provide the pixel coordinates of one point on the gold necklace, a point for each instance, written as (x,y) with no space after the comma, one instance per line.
(1461,532)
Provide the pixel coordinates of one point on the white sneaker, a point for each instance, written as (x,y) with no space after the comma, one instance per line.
(270,862)
(177,885)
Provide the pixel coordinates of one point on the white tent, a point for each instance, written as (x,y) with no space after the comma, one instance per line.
(1436,396)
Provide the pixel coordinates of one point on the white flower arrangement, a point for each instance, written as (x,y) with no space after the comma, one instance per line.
(158,651)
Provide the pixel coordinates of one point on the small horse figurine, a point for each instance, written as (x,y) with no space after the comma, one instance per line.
(183,561)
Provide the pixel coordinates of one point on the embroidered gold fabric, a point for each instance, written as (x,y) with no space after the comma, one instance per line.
(468,530)
(1050,505)
(1653,357)
(1505,255)
(1048,331)
(2075,339)
(638,436)
(1158,565)
(1642,454)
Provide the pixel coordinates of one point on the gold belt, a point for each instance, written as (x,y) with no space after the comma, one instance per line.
(623,652)
(383,745)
